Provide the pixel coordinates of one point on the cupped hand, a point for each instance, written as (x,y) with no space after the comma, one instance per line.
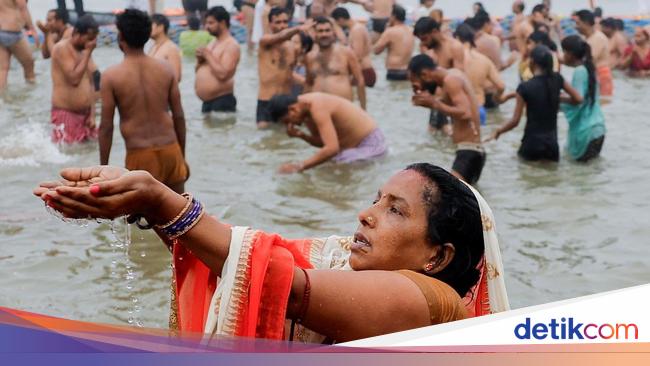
(101,192)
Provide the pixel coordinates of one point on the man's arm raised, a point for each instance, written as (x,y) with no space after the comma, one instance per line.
(271,39)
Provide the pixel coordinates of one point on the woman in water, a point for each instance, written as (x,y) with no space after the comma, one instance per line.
(425,252)
(586,120)
(540,96)
(636,59)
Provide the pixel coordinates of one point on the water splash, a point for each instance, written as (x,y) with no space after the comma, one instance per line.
(29,144)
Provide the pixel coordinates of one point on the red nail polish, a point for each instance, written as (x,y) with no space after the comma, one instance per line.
(94,189)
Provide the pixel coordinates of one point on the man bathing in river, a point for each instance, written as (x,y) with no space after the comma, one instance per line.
(217,64)
(330,65)
(278,55)
(73,95)
(14,15)
(343,132)
(399,41)
(359,41)
(144,89)
(459,102)
(164,48)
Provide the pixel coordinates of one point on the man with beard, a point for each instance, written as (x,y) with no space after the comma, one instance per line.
(145,91)
(457,101)
(399,41)
(278,55)
(330,65)
(217,64)
(443,48)
(73,96)
(163,47)
(359,41)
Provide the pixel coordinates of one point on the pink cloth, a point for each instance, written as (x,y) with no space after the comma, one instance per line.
(71,127)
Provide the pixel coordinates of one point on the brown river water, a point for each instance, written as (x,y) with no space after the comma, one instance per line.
(565,230)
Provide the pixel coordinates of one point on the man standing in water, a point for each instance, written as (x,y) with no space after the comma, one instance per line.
(73,94)
(359,41)
(381,10)
(330,65)
(217,64)
(458,102)
(54,30)
(599,43)
(343,131)
(13,17)
(518,17)
(164,48)
(618,42)
(144,90)
(446,50)
(399,41)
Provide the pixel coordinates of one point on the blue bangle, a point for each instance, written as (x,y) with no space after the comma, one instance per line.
(187,221)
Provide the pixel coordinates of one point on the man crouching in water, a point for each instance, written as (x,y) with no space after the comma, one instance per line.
(343,131)
(216,65)
(144,89)
(458,101)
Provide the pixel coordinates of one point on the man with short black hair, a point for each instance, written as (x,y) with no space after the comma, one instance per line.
(342,131)
(73,96)
(144,89)
(216,65)
(359,41)
(599,43)
(459,102)
(330,65)
(446,50)
(278,55)
(399,41)
(164,48)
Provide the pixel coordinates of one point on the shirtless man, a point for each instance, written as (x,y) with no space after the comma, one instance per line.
(14,15)
(217,64)
(599,43)
(381,11)
(480,71)
(488,44)
(399,41)
(359,41)
(54,30)
(278,55)
(518,17)
(527,27)
(459,102)
(330,65)
(163,47)
(144,89)
(73,95)
(444,49)
(342,131)
(618,43)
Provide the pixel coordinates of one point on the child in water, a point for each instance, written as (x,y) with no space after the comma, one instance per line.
(586,120)
(540,96)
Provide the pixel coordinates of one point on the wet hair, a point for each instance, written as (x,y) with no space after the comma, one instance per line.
(306,42)
(539,37)
(581,50)
(275,11)
(465,34)
(341,13)
(424,26)
(598,12)
(135,27)
(609,23)
(220,14)
(399,13)
(193,22)
(161,20)
(279,105)
(60,14)
(542,57)
(453,216)
(322,20)
(421,62)
(539,8)
(620,24)
(586,16)
(86,24)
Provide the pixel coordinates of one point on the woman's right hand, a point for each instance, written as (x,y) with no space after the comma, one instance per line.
(103,192)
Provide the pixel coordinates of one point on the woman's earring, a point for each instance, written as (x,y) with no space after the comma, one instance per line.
(428,267)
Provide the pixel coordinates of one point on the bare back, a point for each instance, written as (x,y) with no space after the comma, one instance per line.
(141,87)
(490,46)
(464,130)
(599,44)
(329,71)
(400,46)
(361,44)
(352,123)
(382,8)
(480,71)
